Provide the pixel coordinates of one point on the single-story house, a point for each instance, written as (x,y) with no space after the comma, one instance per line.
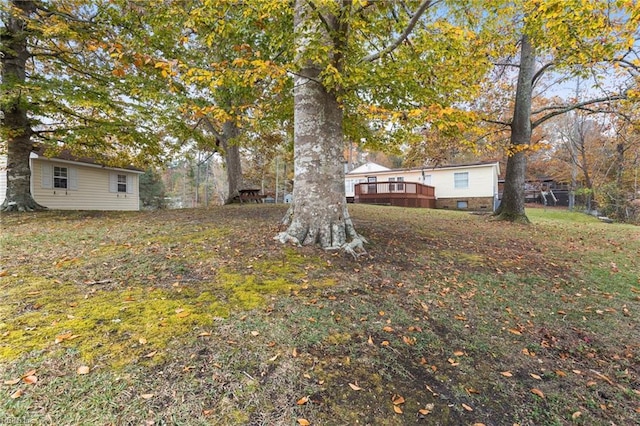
(464,186)
(65,182)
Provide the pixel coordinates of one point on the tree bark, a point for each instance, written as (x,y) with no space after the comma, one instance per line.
(512,206)
(232,159)
(15,121)
(318,214)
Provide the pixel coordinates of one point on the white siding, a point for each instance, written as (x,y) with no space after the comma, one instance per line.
(88,188)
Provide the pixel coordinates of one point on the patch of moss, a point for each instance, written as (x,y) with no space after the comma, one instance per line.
(114,327)
(248,291)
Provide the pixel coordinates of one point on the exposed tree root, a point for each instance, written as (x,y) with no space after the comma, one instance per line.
(13,206)
(329,235)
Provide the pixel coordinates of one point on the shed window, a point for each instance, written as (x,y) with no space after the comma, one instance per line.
(461,180)
(122,183)
(60,177)
(462,204)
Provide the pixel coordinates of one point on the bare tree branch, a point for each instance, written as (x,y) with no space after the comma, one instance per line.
(539,73)
(561,109)
(412,23)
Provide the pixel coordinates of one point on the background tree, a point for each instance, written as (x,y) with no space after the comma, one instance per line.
(152,190)
(571,38)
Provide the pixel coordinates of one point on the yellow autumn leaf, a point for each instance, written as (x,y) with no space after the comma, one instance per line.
(514,331)
(303,422)
(397,409)
(302,400)
(183,314)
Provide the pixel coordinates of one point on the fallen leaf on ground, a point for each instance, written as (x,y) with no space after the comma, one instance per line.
(467,407)
(255,333)
(151,354)
(183,314)
(538,392)
(303,400)
(397,400)
(204,334)
(514,331)
(83,370)
(303,422)
(354,387)
(30,379)
(397,409)
(535,376)
(458,353)
(146,395)
(12,381)
(576,415)
(17,394)
(506,373)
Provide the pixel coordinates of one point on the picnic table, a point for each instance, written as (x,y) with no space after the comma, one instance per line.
(250,195)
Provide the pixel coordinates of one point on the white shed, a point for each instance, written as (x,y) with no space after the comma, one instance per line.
(68,183)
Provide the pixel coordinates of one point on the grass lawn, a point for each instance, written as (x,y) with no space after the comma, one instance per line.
(197,317)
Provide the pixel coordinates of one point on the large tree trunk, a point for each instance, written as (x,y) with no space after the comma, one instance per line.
(232,159)
(318,214)
(512,205)
(15,122)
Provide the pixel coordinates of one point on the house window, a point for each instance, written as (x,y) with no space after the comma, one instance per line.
(122,183)
(462,205)
(60,177)
(461,180)
(396,187)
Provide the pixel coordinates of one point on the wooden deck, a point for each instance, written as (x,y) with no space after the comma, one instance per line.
(402,194)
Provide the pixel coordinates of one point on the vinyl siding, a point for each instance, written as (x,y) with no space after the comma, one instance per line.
(88,188)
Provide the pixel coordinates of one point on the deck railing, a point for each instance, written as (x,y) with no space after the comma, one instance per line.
(409,194)
(371,188)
